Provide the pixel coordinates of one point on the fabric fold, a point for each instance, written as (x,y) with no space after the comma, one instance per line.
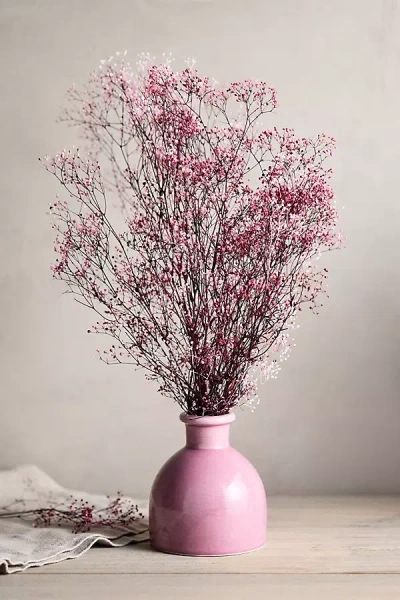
(22,545)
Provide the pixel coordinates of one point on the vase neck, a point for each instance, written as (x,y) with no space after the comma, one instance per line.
(207,433)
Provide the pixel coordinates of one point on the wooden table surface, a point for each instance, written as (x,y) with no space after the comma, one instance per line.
(317,548)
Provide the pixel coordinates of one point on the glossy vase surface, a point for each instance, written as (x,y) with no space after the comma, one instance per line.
(208,499)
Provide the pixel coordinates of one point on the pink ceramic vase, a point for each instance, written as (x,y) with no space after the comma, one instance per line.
(207,500)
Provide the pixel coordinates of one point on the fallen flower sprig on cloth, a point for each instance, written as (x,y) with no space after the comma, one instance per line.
(120,512)
(42,522)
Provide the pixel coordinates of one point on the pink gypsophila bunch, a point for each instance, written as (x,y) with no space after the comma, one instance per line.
(224,223)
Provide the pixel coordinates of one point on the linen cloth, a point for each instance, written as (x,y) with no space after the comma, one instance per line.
(23,546)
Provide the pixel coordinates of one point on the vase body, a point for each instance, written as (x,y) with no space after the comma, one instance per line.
(208,499)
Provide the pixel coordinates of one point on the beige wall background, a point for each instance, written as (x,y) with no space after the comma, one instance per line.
(331,422)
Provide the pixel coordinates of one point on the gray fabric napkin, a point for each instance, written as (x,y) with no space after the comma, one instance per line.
(22,545)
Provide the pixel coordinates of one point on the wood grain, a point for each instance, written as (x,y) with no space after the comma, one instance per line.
(320,547)
(199,587)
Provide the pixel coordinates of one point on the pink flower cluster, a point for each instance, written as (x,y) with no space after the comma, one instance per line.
(224,223)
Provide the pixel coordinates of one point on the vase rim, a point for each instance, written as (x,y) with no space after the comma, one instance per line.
(208,420)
